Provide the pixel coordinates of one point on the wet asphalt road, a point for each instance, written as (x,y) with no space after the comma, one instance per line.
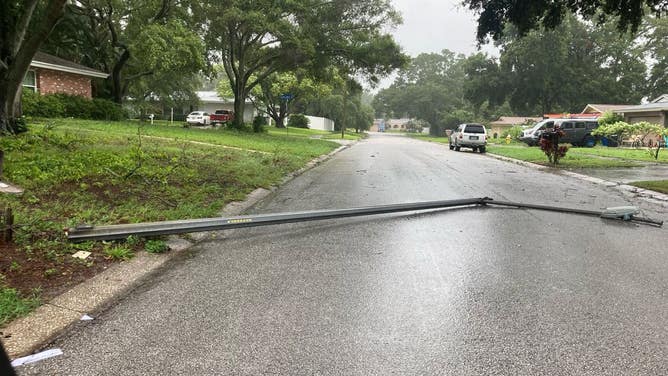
(453,292)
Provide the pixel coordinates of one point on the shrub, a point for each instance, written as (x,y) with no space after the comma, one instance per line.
(64,105)
(259,123)
(620,130)
(549,144)
(118,252)
(609,117)
(104,109)
(515,132)
(156,246)
(298,121)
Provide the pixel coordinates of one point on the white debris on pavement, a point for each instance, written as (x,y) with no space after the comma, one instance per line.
(36,357)
(81,255)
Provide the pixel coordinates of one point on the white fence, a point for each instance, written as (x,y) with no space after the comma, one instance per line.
(320,123)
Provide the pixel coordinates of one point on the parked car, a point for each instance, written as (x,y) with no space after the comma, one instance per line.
(221,117)
(577,132)
(198,117)
(472,136)
(531,136)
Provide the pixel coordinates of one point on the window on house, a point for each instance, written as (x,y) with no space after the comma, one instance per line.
(30,81)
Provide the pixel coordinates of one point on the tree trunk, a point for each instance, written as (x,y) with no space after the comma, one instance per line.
(19,61)
(239,103)
(239,108)
(10,88)
(116,79)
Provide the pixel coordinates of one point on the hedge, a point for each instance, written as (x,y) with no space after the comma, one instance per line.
(298,121)
(63,105)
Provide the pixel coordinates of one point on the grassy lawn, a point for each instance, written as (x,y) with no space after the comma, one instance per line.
(314,133)
(535,155)
(77,172)
(656,185)
(575,158)
(572,159)
(271,142)
(623,153)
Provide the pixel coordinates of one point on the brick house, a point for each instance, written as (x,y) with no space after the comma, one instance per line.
(49,74)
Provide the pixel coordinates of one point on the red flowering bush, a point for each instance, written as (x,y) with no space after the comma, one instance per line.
(549,144)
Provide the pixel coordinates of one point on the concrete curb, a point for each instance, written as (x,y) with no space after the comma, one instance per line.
(624,188)
(30,333)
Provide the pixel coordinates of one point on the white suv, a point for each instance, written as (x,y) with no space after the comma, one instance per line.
(472,136)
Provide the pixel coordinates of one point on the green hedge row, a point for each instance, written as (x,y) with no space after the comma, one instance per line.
(63,105)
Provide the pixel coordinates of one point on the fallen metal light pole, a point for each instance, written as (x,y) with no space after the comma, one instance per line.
(113,232)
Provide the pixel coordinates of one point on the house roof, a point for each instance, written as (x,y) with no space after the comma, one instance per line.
(603,107)
(397,121)
(515,120)
(46,61)
(661,99)
(658,104)
(212,97)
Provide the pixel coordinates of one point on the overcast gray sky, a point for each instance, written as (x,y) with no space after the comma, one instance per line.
(433,25)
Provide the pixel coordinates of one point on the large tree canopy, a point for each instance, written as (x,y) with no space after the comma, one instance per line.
(428,88)
(255,39)
(526,15)
(142,44)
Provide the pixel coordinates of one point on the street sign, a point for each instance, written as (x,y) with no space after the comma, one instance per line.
(287,96)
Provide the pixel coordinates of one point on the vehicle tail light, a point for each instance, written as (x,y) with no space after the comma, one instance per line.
(460,136)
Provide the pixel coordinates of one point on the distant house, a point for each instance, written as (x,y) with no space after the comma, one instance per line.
(654,112)
(390,124)
(209,101)
(506,122)
(601,108)
(49,74)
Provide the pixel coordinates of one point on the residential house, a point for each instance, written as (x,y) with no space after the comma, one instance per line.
(655,112)
(49,74)
(390,124)
(599,109)
(209,101)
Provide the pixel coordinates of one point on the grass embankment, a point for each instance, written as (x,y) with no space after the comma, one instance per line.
(95,172)
(315,133)
(657,185)
(573,159)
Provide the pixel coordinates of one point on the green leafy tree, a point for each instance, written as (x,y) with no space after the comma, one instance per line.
(484,81)
(559,70)
(429,87)
(166,60)
(452,119)
(24,25)
(136,41)
(268,94)
(656,44)
(254,40)
(528,15)
(344,105)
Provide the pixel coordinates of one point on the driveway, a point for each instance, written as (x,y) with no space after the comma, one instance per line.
(461,292)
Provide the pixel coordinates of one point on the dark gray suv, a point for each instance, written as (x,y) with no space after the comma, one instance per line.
(578,131)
